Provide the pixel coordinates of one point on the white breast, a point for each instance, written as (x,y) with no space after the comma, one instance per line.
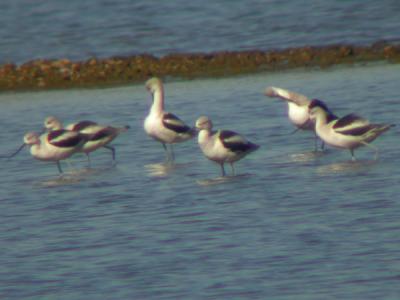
(298,115)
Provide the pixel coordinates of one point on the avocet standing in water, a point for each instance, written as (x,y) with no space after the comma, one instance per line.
(298,108)
(349,132)
(98,135)
(163,126)
(222,146)
(53,146)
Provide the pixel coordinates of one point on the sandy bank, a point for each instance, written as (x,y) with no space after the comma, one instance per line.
(63,73)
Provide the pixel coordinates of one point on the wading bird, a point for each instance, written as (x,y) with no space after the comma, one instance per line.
(222,146)
(99,136)
(349,132)
(53,146)
(298,109)
(163,126)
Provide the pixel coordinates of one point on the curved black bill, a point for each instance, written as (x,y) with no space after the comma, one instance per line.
(16,152)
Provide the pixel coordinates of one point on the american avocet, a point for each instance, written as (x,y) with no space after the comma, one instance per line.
(222,146)
(53,146)
(298,111)
(163,126)
(98,135)
(348,132)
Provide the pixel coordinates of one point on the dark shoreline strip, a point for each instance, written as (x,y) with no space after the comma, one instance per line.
(63,73)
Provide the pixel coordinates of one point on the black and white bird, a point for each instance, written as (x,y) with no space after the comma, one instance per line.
(349,132)
(163,126)
(99,136)
(298,108)
(222,146)
(53,146)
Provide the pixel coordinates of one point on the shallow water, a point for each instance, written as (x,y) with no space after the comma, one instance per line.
(101,28)
(292,224)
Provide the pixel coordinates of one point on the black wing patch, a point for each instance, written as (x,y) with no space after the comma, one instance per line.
(346,121)
(82,125)
(234,141)
(64,138)
(101,134)
(358,131)
(173,123)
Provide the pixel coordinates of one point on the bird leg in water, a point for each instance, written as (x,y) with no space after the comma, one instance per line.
(112,149)
(373,148)
(172,153)
(222,169)
(353,158)
(59,167)
(88,160)
(233,169)
(166,151)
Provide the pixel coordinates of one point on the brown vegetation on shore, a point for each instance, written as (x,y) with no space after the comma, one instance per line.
(63,73)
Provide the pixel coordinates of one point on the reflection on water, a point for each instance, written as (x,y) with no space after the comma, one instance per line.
(59,181)
(160,169)
(164,169)
(221,180)
(346,167)
(73,176)
(306,156)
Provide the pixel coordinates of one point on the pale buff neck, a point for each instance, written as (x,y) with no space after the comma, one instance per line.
(204,136)
(158,101)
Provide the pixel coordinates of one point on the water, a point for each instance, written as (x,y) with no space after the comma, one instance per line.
(290,225)
(78,29)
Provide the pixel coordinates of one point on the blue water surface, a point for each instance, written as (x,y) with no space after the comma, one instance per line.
(78,29)
(292,225)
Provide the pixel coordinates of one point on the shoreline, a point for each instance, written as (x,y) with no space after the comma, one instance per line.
(63,73)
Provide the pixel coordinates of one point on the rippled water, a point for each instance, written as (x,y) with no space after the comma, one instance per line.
(291,225)
(78,29)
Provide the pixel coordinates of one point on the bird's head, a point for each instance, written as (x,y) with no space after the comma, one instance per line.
(31,138)
(203,123)
(52,123)
(153,84)
(319,107)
